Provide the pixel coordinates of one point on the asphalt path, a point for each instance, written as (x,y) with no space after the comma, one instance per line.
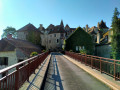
(64,75)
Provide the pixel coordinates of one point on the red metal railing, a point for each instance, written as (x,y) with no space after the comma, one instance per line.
(104,65)
(15,80)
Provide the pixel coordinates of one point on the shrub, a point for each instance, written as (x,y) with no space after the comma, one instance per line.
(43,50)
(71,51)
(33,54)
(83,51)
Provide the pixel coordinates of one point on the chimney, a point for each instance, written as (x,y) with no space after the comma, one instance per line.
(87,28)
(9,36)
(98,25)
(98,37)
(41,26)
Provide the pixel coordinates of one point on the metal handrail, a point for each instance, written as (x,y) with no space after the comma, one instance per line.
(18,64)
(104,65)
(15,79)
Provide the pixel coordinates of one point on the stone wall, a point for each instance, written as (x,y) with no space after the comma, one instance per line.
(50,40)
(103,50)
(21,35)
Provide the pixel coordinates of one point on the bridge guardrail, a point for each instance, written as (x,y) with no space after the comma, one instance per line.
(104,65)
(15,80)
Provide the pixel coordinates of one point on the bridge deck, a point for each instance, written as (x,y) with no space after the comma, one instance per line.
(63,74)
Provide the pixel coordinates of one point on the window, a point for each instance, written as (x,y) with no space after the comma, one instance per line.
(57,40)
(49,41)
(3,60)
(54,35)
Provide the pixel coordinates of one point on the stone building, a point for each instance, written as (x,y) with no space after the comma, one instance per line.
(13,51)
(54,36)
(101,27)
(23,32)
(103,47)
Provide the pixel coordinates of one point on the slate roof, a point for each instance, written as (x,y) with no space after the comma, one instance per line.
(57,29)
(51,26)
(11,44)
(102,25)
(67,26)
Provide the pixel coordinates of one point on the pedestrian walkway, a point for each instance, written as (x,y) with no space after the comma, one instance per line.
(64,75)
(36,79)
(115,85)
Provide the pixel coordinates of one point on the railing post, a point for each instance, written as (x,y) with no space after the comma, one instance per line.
(28,70)
(86,59)
(91,62)
(6,79)
(17,78)
(114,71)
(100,66)
(81,58)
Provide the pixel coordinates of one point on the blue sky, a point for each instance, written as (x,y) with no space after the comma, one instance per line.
(18,13)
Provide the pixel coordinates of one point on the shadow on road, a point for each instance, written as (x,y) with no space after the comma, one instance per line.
(53,80)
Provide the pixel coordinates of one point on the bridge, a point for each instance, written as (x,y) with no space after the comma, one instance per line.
(55,71)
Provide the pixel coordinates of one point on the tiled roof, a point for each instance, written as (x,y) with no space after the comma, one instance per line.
(91,30)
(28,27)
(25,46)
(6,46)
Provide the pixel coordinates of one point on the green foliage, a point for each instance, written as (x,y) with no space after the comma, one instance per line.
(115,43)
(83,51)
(9,30)
(80,38)
(33,54)
(70,50)
(43,50)
(34,37)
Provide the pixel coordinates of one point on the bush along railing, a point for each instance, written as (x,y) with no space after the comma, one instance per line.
(23,70)
(108,66)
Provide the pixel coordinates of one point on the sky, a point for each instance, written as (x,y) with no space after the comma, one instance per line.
(18,13)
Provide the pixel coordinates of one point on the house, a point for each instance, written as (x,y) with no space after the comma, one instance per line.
(51,37)
(54,36)
(13,51)
(101,26)
(103,46)
(78,40)
(26,33)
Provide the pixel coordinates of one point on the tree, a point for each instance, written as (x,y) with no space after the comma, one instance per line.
(115,43)
(9,30)
(34,37)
